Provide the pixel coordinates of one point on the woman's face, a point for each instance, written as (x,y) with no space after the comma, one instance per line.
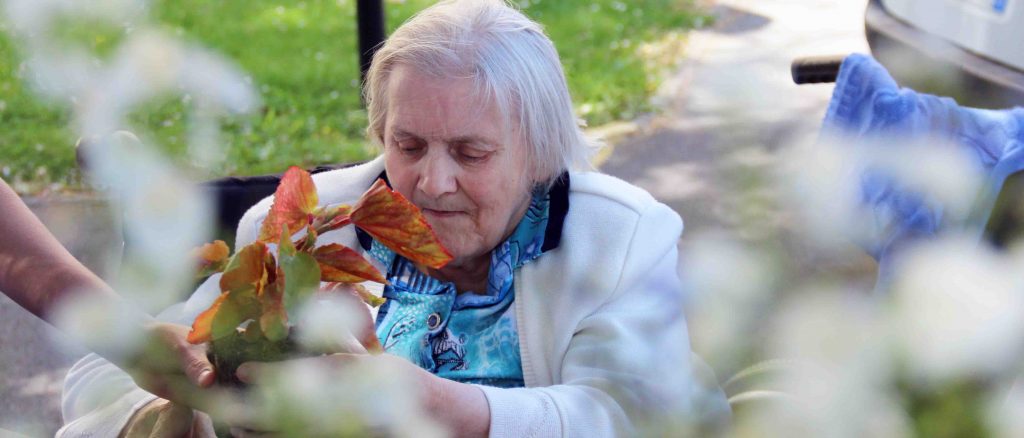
(455,158)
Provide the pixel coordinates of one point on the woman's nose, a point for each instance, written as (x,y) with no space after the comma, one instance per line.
(438,176)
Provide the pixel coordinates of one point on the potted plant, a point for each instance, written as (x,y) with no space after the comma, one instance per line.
(251,320)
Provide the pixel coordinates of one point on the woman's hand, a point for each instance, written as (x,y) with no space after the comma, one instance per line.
(165,419)
(171,367)
(461,408)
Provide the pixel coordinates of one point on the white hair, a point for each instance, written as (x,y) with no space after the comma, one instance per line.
(511,60)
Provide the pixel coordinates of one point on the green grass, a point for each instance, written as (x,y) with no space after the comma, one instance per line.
(302,58)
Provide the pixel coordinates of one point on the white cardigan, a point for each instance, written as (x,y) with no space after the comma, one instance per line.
(602,334)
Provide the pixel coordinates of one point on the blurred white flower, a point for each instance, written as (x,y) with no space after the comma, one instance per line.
(165,214)
(1005,411)
(217,82)
(871,413)
(357,399)
(205,144)
(151,63)
(326,323)
(821,181)
(110,330)
(936,168)
(730,285)
(834,382)
(958,309)
(826,182)
(34,18)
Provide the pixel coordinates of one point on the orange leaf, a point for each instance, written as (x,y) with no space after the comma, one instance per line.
(213,257)
(398,224)
(248,268)
(342,264)
(294,203)
(202,327)
(335,217)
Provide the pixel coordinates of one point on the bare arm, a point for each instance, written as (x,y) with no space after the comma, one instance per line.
(35,270)
(462,408)
(38,273)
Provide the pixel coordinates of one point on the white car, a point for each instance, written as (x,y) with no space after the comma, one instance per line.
(972,50)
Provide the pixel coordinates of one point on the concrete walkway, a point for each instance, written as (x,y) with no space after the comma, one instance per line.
(730,109)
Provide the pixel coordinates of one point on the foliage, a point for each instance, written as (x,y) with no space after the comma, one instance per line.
(302,57)
(259,291)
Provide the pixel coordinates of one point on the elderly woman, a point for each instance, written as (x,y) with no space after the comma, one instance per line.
(560,314)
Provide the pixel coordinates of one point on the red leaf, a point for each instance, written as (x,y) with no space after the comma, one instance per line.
(398,224)
(342,264)
(202,327)
(294,203)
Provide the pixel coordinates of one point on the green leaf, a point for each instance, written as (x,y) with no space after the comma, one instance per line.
(240,306)
(285,246)
(274,320)
(276,328)
(301,280)
(367,296)
(301,275)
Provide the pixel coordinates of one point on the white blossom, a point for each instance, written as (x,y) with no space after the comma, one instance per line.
(958,309)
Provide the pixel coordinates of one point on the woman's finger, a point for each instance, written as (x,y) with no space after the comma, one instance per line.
(366,329)
(197,366)
(366,332)
(169,353)
(251,372)
(160,418)
(202,426)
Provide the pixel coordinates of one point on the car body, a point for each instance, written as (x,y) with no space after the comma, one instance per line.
(971,50)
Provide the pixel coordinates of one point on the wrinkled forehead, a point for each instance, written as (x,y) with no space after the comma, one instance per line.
(444,103)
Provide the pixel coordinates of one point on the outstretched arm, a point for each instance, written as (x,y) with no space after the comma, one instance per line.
(35,270)
(39,274)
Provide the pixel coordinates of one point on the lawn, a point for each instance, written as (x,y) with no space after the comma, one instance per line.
(302,58)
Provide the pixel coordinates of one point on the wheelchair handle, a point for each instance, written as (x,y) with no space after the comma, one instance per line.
(816,69)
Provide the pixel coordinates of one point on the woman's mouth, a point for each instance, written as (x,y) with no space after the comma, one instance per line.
(441,214)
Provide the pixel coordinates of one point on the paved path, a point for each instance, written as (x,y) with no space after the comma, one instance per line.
(727,112)
(731,108)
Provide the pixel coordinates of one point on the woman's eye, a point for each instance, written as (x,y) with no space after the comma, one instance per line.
(473,157)
(408,147)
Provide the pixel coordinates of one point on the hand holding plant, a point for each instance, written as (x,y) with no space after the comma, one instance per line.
(260,291)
